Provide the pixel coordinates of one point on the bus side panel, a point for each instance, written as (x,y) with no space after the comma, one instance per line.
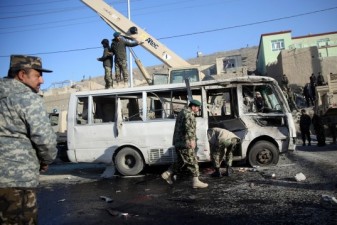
(98,142)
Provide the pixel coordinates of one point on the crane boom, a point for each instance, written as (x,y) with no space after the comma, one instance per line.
(120,23)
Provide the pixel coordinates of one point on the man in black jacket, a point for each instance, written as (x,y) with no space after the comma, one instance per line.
(305,122)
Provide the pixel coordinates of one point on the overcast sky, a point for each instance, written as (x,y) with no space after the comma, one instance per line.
(66,34)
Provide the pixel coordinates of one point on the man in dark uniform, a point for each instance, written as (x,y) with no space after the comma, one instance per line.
(118,48)
(107,63)
(305,122)
(319,129)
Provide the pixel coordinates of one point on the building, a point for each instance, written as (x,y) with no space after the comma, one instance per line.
(298,57)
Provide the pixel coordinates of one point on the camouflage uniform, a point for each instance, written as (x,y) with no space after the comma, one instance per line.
(27,141)
(184,134)
(107,64)
(119,50)
(219,140)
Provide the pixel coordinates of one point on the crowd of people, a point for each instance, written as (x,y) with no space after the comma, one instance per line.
(116,51)
(316,121)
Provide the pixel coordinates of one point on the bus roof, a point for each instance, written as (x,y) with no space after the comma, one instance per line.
(210,80)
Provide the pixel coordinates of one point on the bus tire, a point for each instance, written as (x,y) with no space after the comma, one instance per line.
(263,153)
(129,162)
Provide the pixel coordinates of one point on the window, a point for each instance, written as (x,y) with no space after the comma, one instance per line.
(323,42)
(104,109)
(220,104)
(132,107)
(277,45)
(260,99)
(228,63)
(82,110)
(179,76)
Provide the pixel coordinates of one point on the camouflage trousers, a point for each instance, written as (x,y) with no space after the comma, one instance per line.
(121,67)
(186,160)
(108,77)
(18,206)
(225,149)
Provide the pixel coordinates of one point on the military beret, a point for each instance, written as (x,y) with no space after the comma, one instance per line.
(195,102)
(117,34)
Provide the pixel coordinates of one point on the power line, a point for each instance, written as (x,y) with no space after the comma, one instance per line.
(201,32)
(248,24)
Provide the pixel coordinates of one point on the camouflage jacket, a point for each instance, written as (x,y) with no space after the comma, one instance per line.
(185,129)
(217,136)
(26,136)
(119,48)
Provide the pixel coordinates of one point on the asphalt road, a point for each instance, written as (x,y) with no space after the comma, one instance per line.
(76,194)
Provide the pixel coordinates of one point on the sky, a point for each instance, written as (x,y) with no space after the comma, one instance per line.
(67,34)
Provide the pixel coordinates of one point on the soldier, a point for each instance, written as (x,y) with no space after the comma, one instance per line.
(285,81)
(222,143)
(118,48)
(305,122)
(319,129)
(107,63)
(291,99)
(258,102)
(27,140)
(184,141)
(313,84)
(320,79)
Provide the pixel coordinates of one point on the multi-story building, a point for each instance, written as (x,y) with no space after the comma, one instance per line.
(298,57)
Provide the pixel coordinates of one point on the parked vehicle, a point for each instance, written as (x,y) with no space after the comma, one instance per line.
(133,127)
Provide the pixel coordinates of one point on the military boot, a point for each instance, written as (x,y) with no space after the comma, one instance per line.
(229,171)
(198,184)
(216,173)
(167,176)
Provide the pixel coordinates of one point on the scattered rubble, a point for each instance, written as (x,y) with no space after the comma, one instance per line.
(300,177)
(106,199)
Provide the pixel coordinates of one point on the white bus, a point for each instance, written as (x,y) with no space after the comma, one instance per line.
(133,127)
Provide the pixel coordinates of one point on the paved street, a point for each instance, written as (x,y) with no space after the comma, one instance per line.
(75,194)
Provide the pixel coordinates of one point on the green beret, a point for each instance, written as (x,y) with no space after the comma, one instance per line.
(195,102)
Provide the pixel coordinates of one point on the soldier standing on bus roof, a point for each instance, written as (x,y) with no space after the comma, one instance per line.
(222,143)
(27,140)
(118,48)
(107,63)
(185,143)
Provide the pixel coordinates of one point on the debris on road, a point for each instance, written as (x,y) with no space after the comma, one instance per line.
(118,214)
(106,199)
(329,202)
(300,177)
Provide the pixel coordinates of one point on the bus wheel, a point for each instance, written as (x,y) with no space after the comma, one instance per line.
(129,162)
(263,153)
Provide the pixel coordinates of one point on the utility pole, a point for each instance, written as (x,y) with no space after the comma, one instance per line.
(130,55)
